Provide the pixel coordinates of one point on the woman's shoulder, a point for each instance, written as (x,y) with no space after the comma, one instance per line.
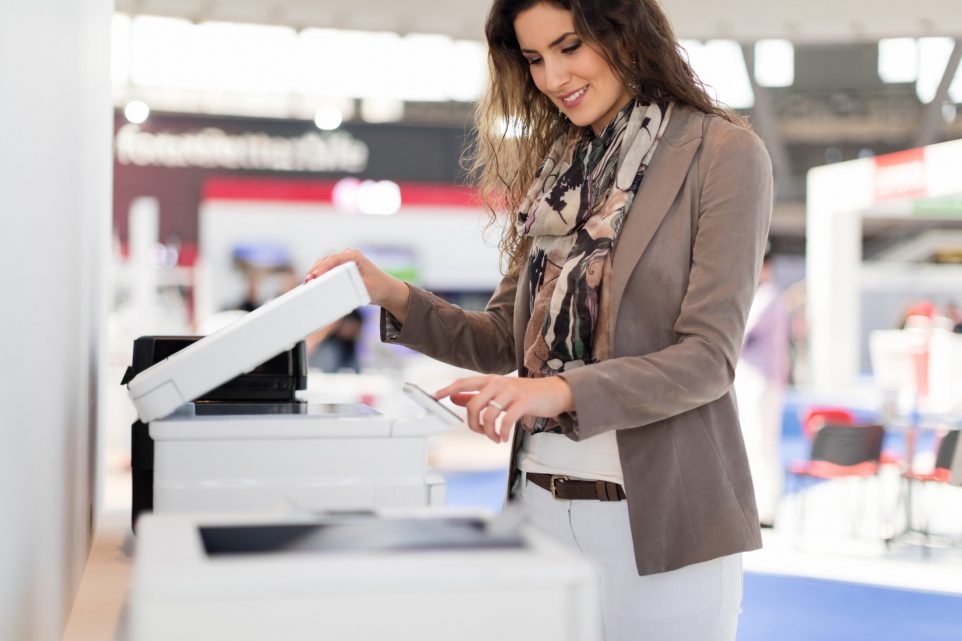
(722,141)
(715,131)
(722,135)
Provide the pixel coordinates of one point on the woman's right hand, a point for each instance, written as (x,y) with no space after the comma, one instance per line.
(385,290)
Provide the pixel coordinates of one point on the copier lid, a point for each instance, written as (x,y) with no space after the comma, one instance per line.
(243,345)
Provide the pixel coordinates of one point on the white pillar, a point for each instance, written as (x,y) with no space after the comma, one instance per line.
(144,228)
(836,196)
(55,200)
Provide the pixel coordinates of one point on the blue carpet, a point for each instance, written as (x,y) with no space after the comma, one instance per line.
(476,489)
(784,608)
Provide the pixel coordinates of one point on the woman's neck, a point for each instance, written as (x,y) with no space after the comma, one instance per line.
(598,127)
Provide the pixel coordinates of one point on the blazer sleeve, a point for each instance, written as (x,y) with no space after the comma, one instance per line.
(480,341)
(732,230)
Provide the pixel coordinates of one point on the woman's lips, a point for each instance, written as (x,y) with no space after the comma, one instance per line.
(574,98)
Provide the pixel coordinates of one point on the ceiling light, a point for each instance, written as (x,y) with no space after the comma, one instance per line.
(898,60)
(774,63)
(328,117)
(136,111)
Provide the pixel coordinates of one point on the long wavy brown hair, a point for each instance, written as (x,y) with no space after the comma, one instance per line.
(516,123)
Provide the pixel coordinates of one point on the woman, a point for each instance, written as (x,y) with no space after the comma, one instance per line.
(641,212)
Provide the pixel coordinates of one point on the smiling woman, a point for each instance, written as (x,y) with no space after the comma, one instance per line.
(576,78)
(638,50)
(638,212)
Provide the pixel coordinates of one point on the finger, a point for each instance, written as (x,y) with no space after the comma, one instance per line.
(489,421)
(497,407)
(479,404)
(508,420)
(474,428)
(328,263)
(474,408)
(322,266)
(469,384)
(462,399)
(505,430)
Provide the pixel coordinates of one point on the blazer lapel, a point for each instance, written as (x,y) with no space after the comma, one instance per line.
(663,180)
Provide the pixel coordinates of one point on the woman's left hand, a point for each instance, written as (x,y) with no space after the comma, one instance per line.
(488,397)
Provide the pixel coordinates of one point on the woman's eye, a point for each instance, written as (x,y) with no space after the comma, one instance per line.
(571,48)
(534,61)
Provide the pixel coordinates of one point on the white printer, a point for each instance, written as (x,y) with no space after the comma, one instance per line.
(358,578)
(256,454)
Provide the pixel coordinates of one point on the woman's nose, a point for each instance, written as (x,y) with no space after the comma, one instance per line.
(556,76)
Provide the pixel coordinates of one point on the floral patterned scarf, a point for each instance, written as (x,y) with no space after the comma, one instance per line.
(574,211)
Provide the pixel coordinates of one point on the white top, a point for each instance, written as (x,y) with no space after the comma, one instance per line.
(593,459)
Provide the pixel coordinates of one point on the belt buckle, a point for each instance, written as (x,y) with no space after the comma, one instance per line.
(554,488)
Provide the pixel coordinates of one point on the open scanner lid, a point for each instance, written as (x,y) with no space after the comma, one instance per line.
(246,343)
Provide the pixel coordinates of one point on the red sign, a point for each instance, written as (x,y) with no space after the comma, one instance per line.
(900,175)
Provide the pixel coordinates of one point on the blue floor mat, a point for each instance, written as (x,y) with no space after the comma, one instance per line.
(476,489)
(786,608)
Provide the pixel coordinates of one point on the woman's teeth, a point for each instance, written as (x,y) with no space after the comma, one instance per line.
(569,100)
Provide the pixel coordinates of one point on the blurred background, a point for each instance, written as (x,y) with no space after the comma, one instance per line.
(170,165)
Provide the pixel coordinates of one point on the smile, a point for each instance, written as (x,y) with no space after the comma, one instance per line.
(572,99)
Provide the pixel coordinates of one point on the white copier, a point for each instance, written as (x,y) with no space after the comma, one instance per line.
(261,456)
(406,575)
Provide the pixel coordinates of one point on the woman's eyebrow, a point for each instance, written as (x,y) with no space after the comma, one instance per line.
(557,41)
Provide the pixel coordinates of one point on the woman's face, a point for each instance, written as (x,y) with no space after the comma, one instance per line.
(575,76)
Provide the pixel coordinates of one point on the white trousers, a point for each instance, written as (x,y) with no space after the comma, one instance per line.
(760,404)
(699,602)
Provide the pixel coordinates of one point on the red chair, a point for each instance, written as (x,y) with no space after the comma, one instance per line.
(942,472)
(840,451)
(814,418)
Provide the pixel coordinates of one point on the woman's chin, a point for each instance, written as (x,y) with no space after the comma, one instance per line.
(579,120)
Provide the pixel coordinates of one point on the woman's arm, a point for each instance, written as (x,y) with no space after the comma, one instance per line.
(481,341)
(735,211)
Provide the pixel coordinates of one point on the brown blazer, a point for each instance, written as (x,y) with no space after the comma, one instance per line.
(684,271)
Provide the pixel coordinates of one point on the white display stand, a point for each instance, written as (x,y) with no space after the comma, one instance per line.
(896,186)
(342,586)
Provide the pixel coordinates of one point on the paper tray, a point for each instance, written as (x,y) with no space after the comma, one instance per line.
(243,345)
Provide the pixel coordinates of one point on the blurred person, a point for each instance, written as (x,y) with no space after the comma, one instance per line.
(254,278)
(334,348)
(761,379)
(954,314)
(250,302)
(794,298)
(639,212)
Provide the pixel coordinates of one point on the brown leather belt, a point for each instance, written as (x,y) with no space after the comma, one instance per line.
(565,489)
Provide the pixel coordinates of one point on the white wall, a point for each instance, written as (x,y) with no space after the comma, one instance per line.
(55,199)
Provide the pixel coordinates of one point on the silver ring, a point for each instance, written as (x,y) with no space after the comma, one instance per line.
(496,405)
